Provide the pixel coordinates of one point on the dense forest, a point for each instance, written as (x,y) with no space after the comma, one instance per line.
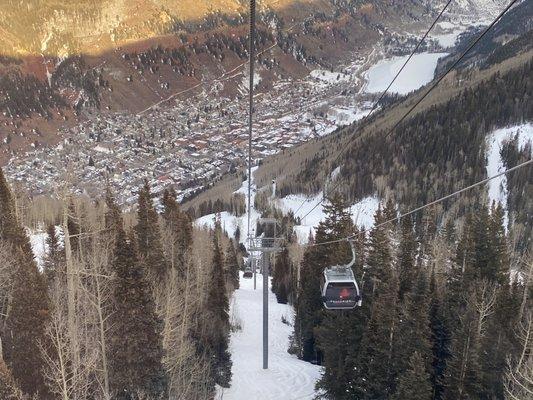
(446,308)
(123,306)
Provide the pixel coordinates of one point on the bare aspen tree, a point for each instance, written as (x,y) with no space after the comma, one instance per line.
(179,302)
(96,288)
(71,282)
(518,383)
(7,269)
(527,285)
(8,386)
(484,299)
(185,369)
(68,380)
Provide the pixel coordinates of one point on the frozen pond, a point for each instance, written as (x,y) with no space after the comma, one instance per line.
(418,72)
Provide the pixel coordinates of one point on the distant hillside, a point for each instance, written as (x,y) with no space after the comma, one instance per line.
(508,38)
(62,61)
(59,28)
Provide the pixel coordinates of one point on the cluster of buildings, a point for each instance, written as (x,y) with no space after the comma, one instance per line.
(188,142)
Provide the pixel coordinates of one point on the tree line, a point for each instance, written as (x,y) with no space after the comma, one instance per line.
(121,306)
(446,308)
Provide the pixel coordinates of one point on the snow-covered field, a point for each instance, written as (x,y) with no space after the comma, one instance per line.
(498,187)
(331,77)
(287,378)
(418,72)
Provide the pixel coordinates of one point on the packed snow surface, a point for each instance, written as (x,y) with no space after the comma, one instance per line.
(495,165)
(287,378)
(418,72)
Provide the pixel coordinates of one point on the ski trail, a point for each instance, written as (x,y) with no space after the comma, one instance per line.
(497,188)
(287,378)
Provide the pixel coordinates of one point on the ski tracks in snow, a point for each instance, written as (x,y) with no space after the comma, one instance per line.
(287,378)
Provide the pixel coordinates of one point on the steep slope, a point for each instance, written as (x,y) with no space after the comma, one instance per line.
(55,28)
(508,38)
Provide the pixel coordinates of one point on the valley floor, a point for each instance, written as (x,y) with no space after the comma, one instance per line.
(287,378)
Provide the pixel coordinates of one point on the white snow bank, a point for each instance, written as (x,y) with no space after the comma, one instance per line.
(230,222)
(498,187)
(39,246)
(287,378)
(362,212)
(418,72)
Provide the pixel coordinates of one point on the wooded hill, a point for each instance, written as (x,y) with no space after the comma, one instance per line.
(440,148)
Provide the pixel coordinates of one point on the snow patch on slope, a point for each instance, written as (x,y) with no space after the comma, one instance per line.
(362,212)
(330,76)
(230,222)
(39,246)
(38,241)
(287,378)
(498,187)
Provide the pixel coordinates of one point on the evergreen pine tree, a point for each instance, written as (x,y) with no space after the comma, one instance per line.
(74,230)
(498,262)
(463,370)
(406,257)
(231,268)
(414,383)
(217,307)
(135,343)
(281,278)
(113,215)
(379,258)
(308,304)
(482,251)
(24,331)
(413,332)
(179,224)
(440,340)
(54,260)
(149,236)
(449,232)
(375,376)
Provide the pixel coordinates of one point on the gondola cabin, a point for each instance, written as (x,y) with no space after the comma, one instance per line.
(248,273)
(339,289)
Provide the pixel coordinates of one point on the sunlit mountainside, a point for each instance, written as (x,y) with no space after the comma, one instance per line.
(60,28)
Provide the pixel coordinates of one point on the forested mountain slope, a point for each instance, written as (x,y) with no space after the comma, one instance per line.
(508,38)
(441,137)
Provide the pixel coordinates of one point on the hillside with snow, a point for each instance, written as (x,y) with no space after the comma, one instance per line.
(497,188)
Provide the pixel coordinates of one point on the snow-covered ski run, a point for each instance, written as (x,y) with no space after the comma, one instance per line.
(287,378)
